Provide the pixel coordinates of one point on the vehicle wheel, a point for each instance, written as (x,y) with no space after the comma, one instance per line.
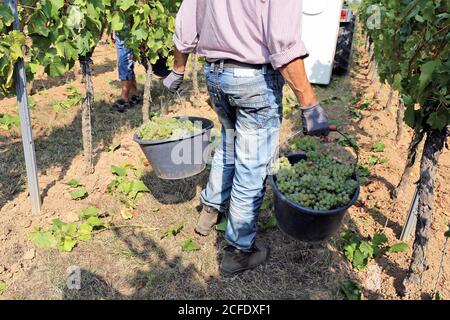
(342,58)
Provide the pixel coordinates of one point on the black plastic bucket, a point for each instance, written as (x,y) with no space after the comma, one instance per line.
(306,224)
(179,158)
(159,68)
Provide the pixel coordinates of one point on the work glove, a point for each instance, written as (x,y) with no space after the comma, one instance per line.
(315,121)
(173,81)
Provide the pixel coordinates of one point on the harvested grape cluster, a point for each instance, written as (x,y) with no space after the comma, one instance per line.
(166,128)
(305,144)
(318,183)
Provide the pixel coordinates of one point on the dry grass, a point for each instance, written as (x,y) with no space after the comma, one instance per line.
(136,263)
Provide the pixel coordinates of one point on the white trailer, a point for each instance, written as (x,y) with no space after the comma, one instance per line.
(328,27)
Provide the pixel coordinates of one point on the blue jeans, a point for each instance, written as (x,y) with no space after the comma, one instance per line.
(124,61)
(248,103)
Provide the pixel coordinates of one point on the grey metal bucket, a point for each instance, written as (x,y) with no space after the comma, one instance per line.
(179,158)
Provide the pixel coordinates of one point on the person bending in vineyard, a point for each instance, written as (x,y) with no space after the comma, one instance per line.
(251,47)
(129,95)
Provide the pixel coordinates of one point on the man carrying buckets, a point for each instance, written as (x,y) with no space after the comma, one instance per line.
(251,47)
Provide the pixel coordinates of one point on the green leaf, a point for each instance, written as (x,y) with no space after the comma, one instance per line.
(350,236)
(69,229)
(398,247)
(136,187)
(116,22)
(173,230)
(410,116)
(349,251)
(125,187)
(56,67)
(438,120)
(95,222)
(359,260)
(373,160)
(57,225)
(16,40)
(426,74)
(351,289)
(397,85)
(74,183)
(85,232)
(90,212)
(379,146)
(119,171)
(67,244)
(366,249)
(379,239)
(42,238)
(190,245)
(78,194)
(2,287)
(222,225)
(125,4)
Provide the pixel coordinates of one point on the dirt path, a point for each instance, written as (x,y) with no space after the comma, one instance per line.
(136,263)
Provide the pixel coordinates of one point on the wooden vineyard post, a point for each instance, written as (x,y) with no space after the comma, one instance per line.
(146,104)
(20,81)
(194,60)
(88,102)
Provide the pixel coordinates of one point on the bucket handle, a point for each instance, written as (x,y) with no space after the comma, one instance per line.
(177,95)
(332,129)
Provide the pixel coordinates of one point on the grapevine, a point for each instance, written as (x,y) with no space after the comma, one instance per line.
(411,50)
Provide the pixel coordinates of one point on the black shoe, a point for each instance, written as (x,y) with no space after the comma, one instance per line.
(235,261)
(120,105)
(208,218)
(135,100)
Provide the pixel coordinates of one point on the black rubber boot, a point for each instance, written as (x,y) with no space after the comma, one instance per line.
(208,218)
(235,261)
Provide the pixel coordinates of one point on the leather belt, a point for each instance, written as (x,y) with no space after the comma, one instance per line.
(230,63)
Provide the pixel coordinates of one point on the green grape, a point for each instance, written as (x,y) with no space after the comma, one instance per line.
(166,128)
(319,182)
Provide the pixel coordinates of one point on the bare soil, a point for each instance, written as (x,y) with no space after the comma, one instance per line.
(135,263)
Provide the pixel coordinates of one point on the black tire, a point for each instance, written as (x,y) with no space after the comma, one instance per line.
(342,58)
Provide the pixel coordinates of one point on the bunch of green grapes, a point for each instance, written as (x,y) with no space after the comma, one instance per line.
(306,144)
(166,128)
(319,183)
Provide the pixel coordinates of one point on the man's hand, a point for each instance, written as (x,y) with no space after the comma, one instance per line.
(315,121)
(173,81)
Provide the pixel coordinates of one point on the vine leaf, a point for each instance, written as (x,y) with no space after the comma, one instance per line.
(90,212)
(119,171)
(222,225)
(190,245)
(85,232)
(173,230)
(42,239)
(2,287)
(74,183)
(427,70)
(351,289)
(78,194)
(398,247)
